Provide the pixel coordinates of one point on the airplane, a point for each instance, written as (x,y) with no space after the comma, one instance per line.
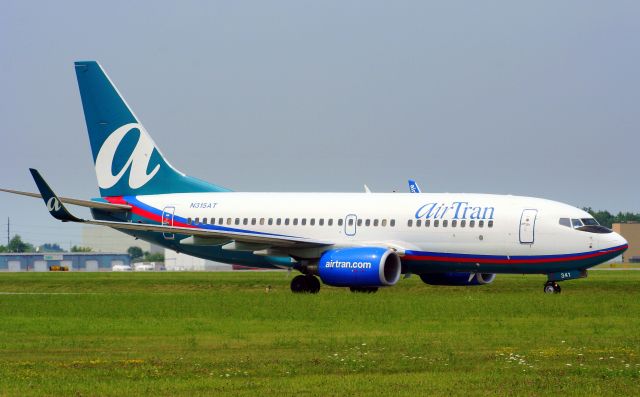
(413,186)
(361,241)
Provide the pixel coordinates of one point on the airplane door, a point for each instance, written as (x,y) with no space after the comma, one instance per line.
(527,226)
(167,220)
(350,225)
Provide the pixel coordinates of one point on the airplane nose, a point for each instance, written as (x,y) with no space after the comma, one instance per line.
(616,240)
(620,240)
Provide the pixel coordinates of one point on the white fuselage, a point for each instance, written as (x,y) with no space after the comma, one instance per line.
(447,223)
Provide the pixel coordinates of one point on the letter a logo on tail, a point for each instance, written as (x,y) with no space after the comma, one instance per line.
(137,163)
(53,204)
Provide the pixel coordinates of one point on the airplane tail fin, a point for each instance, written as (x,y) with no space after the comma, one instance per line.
(126,159)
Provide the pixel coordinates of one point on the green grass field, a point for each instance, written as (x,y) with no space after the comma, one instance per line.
(96,334)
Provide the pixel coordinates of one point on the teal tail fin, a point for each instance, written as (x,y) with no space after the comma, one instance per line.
(126,159)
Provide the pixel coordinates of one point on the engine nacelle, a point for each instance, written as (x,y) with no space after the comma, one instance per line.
(456,278)
(360,267)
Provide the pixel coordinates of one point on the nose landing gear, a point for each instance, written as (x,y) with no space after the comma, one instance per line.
(551,287)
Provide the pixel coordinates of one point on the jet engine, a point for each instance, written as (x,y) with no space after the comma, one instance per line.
(360,267)
(457,278)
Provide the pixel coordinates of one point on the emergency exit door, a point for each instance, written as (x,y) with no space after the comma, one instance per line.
(167,220)
(350,222)
(528,226)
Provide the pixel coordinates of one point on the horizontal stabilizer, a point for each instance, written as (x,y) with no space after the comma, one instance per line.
(79,202)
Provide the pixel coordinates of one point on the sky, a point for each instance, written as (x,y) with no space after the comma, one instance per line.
(526,98)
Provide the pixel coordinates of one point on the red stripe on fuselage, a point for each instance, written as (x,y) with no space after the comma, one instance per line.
(435,258)
(143,213)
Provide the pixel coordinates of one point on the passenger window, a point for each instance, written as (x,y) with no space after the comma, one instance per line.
(229,221)
(286,221)
(392,222)
(279,221)
(445,223)
(220,221)
(321,221)
(261,221)
(359,222)
(303,221)
(367,222)
(340,222)
(436,223)
(253,221)
(409,223)
(454,223)
(350,221)
(463,223)
(295,221)
(204,221)
(245,221)
(196,221)
(312,221)
(375,222)
(330,222)
(188,221)
(565,222)
(270,221)
(472,223)
(427,222)
(237,221)
(418,222)
(480,223)
(213,221)
(383,223)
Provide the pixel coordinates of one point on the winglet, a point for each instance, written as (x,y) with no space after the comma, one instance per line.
(413,186)
(53,203)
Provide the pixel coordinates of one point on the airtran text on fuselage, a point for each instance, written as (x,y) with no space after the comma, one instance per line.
(454,210)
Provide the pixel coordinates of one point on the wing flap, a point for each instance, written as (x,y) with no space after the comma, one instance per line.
(274,241)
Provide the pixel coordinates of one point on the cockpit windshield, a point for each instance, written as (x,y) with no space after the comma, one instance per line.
(589,225)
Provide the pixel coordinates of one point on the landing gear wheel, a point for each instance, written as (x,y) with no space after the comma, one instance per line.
(551,287)
(366,290)
(299,284)
(313,283)
(305,284)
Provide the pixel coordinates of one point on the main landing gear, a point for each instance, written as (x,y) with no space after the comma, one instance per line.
(551,287)
(305,283)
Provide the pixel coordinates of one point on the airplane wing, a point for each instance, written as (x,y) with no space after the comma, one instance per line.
(82,203)
(59,211)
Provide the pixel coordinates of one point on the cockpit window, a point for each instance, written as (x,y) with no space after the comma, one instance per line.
(589,225)
(594,229)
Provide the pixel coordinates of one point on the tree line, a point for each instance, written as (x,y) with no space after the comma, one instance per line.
(607,219)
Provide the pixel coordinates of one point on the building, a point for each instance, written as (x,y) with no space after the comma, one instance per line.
(74,261)
(631,232)
(174,261)
(105,239)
